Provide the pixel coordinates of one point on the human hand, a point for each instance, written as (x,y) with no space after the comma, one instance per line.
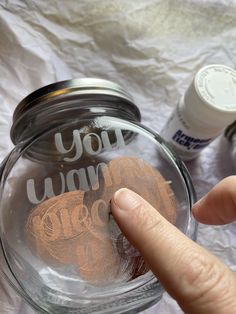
(195,278)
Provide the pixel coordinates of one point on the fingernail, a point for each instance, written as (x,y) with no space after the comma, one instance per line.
(126,199)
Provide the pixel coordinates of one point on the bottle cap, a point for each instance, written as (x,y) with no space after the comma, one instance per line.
(211,97)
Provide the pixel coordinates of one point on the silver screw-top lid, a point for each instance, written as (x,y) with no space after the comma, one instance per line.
(76,92)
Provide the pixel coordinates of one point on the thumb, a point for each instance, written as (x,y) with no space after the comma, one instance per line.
(198,281)
(218,207)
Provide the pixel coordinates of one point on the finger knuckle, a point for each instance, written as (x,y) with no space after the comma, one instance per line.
(208,287)
(204,279)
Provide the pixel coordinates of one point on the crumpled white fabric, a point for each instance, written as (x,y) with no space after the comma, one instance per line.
(152,47)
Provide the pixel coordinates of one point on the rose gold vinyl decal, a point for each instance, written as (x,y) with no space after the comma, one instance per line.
(77,228)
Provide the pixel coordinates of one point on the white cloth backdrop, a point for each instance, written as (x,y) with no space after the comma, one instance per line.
(152,47)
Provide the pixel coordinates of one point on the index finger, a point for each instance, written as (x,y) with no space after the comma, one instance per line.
(196,279)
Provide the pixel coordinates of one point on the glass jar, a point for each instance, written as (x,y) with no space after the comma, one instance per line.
(77,142)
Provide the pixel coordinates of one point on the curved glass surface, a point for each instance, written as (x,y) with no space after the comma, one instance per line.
(60,241)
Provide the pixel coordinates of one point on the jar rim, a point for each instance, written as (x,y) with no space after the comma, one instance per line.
(80,86)
(81,89)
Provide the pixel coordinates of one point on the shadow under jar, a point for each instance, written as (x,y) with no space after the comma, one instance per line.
(77,142)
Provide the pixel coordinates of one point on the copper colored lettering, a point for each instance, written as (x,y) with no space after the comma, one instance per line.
(99,213)
(81,221)
(51,226)
(66,222)
(76,228)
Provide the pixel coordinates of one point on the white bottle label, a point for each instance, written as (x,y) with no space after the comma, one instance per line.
(185,141)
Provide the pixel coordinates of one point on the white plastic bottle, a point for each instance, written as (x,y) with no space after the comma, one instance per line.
(207,107)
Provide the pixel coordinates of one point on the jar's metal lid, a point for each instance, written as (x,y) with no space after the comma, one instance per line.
(83,86)
(86,95)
